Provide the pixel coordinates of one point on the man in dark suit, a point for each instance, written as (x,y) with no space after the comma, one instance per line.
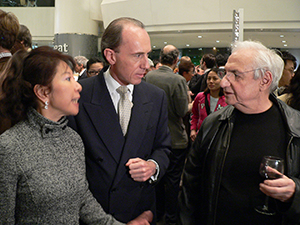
(80,66)
(123,165)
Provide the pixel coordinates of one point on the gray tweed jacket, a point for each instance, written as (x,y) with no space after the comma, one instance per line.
(42,175)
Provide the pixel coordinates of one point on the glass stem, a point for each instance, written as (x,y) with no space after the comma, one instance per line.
(266,205)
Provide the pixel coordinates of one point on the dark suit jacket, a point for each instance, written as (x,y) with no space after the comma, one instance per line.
(83,75)
(107,150)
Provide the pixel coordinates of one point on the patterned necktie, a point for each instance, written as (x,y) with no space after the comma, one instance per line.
(125,106)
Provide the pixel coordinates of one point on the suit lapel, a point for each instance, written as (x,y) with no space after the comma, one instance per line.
(105,119)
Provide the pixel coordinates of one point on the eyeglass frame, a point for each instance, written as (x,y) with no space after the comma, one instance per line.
(238,74)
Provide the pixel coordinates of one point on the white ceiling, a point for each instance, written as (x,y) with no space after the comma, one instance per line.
(270,38)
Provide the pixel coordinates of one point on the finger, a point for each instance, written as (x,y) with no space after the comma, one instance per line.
(133,160)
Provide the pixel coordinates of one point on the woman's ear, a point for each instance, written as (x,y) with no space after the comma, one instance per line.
(41,92)
(110,56)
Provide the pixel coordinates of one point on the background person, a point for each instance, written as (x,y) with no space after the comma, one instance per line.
(24,40)
(94,66)
(292,95)
(211,100)
(124,160)
(175,87)
(80,67)
(42,164)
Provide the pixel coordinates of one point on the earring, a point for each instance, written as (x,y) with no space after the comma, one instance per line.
(46,105)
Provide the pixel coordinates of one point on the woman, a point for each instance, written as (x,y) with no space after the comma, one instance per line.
(212,99)
(42,166)
(292,95)
(94,66)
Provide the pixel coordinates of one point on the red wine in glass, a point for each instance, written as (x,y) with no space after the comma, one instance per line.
(275,163)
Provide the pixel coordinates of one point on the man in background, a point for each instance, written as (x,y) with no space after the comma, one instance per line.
(198,82)
(175,88)
(287,73)
(80,67)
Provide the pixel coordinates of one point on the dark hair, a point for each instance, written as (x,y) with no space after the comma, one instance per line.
(93,61)
(216,70)
(112,36)
(294,89)
(288,56)
(168,57)
(221,59)
(185,66)
(25,36)
(210,60)
(24,70)
(9,28)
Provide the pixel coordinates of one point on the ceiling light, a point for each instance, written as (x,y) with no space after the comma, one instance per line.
(200,49)
(154,46)
(199,36)
(283,41)
(281,36)
(165,42)
(217,41)
(187,45)
(214,48)
(285,45)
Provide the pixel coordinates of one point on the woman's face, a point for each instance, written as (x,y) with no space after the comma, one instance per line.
(95,69)
(64,96)
(213,81)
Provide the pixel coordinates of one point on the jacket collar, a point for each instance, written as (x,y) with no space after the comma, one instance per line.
(290,115)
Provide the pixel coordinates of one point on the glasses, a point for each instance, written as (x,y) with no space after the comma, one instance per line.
(237,75)
(291,70)
(93,72)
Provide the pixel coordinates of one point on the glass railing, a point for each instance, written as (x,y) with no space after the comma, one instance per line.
(27,3)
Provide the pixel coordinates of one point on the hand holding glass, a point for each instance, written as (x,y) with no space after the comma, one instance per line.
(275,163)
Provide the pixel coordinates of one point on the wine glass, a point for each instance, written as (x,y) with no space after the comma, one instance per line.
(278,164)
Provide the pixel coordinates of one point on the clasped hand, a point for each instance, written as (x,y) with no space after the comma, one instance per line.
(144,219)
(282,188)
(141,170)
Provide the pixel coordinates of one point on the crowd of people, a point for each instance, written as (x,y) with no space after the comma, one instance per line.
(138,141)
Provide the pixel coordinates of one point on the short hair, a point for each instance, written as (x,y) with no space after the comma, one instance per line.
(264,59)
(9,28)
(168,57)
(25,36)
(25,70)
(288,56)
(294,89)
(81,60)
(185,66)
(93,61)
(221,59)
(112,36)
(209,59)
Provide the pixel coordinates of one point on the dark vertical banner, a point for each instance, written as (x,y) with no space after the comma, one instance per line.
(77,44)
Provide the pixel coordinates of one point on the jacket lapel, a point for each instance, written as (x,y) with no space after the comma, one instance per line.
(105,119)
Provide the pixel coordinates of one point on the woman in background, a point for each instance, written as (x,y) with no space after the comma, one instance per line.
(212,99)
(94,66)
(42,165)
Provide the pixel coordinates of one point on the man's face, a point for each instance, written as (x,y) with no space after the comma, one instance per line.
(131,58)
(240,88)
(78,68)
(287,74)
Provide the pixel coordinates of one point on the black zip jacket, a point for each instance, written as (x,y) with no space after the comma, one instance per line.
(201,177)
